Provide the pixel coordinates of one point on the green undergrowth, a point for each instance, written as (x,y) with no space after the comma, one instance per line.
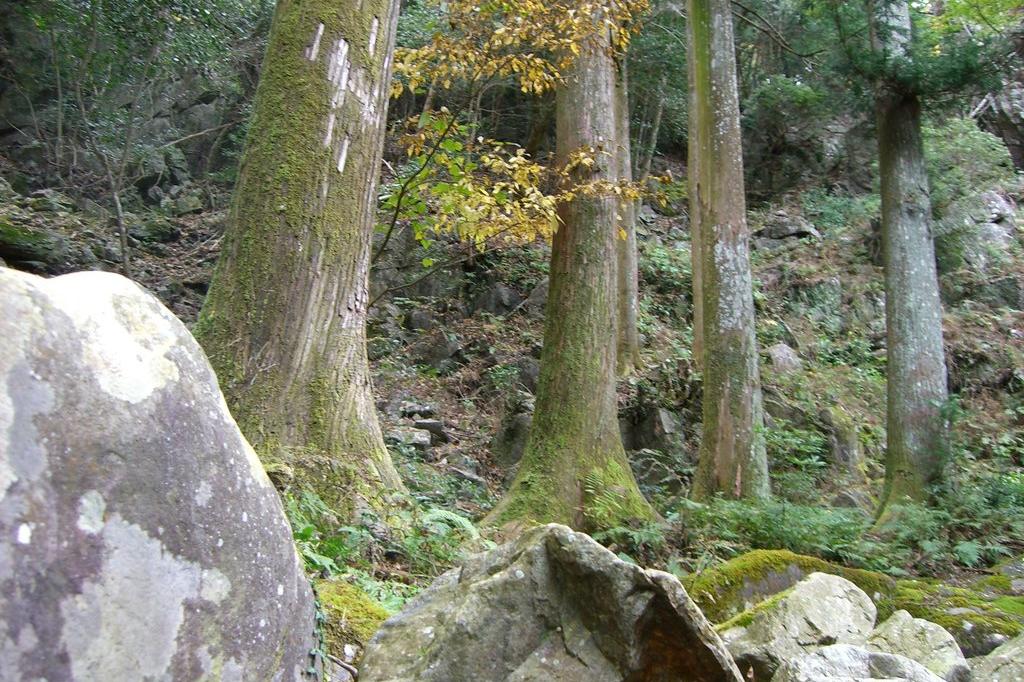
(390,563)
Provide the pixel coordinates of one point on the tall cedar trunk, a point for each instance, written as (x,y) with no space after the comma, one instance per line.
(917,430)
(628,272)
(652,143)
(732,452)
(574,470)
(284,320)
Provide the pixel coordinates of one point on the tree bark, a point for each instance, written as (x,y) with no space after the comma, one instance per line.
(652,143)
(628,270)
(732,457)
(574,470)
(284,321)
(916,430)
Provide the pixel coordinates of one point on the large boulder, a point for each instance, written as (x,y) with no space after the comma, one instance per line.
(923,641)
(847,663)
(821,609)
(140,538)
(553,605)
(1005,664)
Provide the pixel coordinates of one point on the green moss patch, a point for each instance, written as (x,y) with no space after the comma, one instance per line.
(973,618)
(725,591)
(351,615)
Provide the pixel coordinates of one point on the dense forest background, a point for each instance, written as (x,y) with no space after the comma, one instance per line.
(122,128)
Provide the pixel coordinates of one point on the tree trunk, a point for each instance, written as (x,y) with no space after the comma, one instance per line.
(917,431)
(652,143)
(732,452)
(574,470)
(284,321)
(628,272)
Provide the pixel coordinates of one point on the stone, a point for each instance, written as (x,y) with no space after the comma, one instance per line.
(552,605)
(139,535)
(497,299)
(410,438)
(412,409)
(420,319)
(657,472)
(7,193)
(781,225)
(922,641)
(509,444)
(51,200)
(435,427)
(784,359)
(25,243)
(154,229)
(847,663)
(821,609)
(656,428)
(537,300)
(1004,664)
(529,373)
(440,351)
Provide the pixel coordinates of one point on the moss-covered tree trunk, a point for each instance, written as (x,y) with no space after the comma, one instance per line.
(284,320)
(732,457)
(628,273)
(916,428)
(574,470)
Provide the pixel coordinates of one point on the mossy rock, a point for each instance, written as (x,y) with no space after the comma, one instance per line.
(25,243)
(351,617)
(978,621)
(729,589)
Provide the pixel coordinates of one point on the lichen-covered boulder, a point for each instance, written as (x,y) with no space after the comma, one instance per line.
(847,663)
(552,605)
(821,609)
(1005,664)
(140,538)
(923,641)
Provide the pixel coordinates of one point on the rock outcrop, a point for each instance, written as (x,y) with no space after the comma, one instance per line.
(821,609)
(1005,664)
(140,538)
(922,641)
(553,605)
(848,663)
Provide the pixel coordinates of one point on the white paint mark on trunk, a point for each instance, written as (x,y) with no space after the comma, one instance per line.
(343,154)
(374,27)
(314,49)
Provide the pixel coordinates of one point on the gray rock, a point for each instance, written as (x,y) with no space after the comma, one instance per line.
(435,427)
(139,535)
(7,193)
(497,299)
(420,319)
(784,359)
(781,225)
(412,438)
(441,351)
(26,243)
(529,373)
(553,605)
(537,300)
(1005,664)
(411,409)
(847,663)
(154,229)
(509,443)
(51,200)
(922,641)
(821,609)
